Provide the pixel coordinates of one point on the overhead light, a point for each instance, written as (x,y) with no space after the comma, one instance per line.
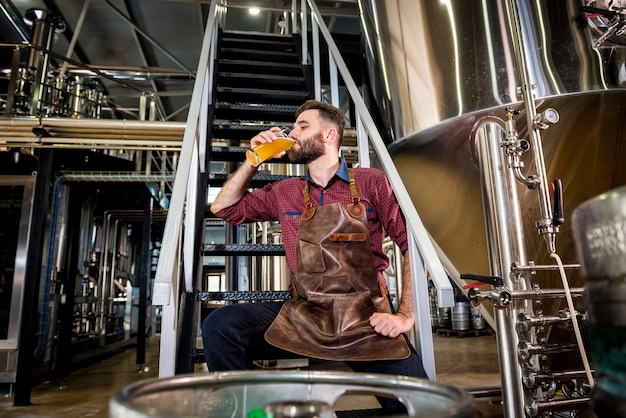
(254,10)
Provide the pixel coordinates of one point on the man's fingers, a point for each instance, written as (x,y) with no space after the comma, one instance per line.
(388,325)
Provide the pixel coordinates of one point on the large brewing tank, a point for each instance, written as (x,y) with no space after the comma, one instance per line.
(438,68)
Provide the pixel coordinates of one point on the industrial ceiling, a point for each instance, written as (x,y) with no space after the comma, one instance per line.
(149,46)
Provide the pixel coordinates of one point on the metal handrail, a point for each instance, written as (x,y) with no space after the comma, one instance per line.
(174,246)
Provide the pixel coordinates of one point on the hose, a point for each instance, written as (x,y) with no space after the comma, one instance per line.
(576,325)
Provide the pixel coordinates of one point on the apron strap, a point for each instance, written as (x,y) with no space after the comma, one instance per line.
(355,209)
(310,210)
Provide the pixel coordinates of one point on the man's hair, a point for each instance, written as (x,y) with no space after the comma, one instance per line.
(327,113)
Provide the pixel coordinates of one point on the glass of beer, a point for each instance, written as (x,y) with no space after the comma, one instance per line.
(267,150)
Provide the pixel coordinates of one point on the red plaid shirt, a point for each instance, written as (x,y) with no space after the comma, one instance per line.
(282,201)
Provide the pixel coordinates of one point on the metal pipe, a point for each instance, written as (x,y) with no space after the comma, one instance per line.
(526,322)
(537,408)
(13,81)
(117,241)
(76,63)
(505,245)
(90,124)
(527,349)
(89,143)
(317,78)
(120,73)
(91,134)
(549,267)
(44,24)
(544,225)
(502,296)
(535,379)
(544,293)
(90,147)
(304,32)
(102,278)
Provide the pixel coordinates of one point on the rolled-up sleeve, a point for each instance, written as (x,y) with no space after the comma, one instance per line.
(392,218)
(255,206)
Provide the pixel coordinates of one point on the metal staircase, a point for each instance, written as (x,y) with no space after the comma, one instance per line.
(247,83)
(259,83)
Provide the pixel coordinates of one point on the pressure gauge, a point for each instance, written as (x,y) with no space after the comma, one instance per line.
(551,115)
(548,117)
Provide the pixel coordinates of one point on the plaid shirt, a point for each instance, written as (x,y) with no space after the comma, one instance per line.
(282,201)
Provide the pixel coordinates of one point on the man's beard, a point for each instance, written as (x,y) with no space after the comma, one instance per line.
(309,150)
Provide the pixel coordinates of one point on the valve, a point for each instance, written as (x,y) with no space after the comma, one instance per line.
(499,295)
(557,191)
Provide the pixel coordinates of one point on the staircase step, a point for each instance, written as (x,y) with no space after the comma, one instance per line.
(235,154)
(273,67)
(197,356)
(257,54)
(227,153)
(255,111)
(259,180)
(242,94)
(275,43)
(257,80)
(243,249)
(242,130)
(236,296)
(274,93)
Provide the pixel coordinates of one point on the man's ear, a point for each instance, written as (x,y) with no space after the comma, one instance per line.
(331,135)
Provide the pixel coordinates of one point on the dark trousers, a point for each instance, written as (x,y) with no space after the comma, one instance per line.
(233,338)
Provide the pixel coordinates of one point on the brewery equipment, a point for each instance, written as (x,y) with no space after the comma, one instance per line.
(503,116)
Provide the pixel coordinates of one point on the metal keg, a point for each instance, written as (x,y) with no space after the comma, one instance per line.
(434,310)
(477,318)
(246,394)
(444,317)
(600,234)
(461,316)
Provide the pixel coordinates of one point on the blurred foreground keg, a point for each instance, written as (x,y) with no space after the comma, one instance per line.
(254,394)
(600,234)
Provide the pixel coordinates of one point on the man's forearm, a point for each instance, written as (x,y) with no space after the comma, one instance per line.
(234,188)
(405,307)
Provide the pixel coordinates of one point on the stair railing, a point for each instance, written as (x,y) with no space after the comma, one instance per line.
(420,246)
(179,244)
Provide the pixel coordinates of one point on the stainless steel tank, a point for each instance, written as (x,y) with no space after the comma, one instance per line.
(438,67)
(485,104)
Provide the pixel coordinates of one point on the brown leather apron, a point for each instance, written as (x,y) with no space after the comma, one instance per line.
(336,289)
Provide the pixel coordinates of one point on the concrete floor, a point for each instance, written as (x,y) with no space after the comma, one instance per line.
(469,362)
